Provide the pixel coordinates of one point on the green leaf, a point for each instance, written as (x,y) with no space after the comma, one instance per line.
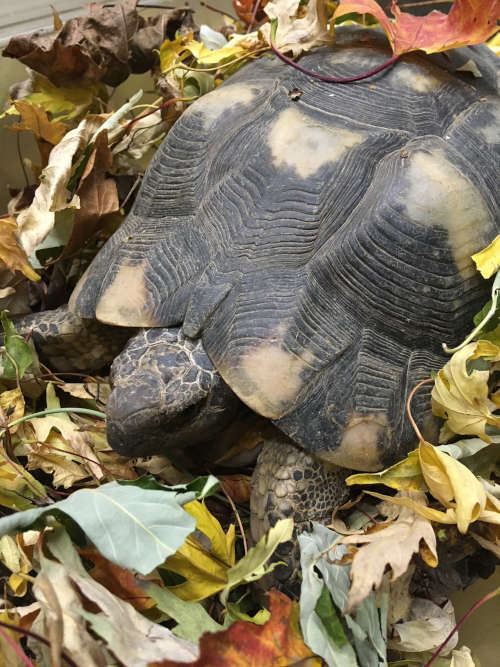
(202,487)
(368,627)
(330,619)
(132,527)
(197,84)
(19,353)
(192,618)
(253,566)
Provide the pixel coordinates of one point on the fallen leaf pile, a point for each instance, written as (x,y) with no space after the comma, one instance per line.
(139,562)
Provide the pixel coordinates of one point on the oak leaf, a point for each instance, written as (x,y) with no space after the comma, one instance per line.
(393,544)
(468,22)
(277,643)
(11,253)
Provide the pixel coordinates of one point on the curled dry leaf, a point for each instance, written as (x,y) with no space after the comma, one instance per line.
(52,194)
(11,253)
(462,397)
(34,119)
(297,32)
(277,642)
(467,22)
(393,544)
(426,628)
(488,260)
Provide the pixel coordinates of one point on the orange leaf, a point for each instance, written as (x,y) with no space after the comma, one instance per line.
(118,580)
(11,252)
(468,22)
(277,643)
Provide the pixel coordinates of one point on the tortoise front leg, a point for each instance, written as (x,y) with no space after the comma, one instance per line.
(69,343)
(289,482)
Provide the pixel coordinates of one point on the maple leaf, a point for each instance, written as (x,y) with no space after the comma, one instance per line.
(11,253)
(393,544)
(468,22)
(275,644)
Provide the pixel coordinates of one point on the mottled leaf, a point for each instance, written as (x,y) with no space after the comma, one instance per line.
(467,22)
(275,644)
(11,253)
(19,355)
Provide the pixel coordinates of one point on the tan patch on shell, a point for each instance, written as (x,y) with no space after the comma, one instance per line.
(359,448)
(440,196)
(125,300)
(223,99)
(267,379)
(299,143)
(418,78)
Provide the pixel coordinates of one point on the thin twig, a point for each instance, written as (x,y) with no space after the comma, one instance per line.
(408,407)
(231,502)
(20,155)
(39,638)
(16,648)
(254,15)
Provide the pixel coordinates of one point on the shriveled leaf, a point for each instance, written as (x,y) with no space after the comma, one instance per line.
(52,194)
(274,644)
(461,397)
(94,391)
(205,569)
(453,484)
(488,260)
(191,617)
(427,627)
(297,31)
(132,527)
(467,22)
(11,253)
(19,354)
(393,544)
(253,566)
(12,406)
(34,119)
(406,475)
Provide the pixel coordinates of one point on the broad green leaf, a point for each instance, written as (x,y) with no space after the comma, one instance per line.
(20,355)
(132,527)
(192,618)
(253,566)
(404,475)
(202,487)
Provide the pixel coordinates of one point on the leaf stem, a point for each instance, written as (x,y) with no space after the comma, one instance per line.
(83,411)
(495,292)
(323,77)
(457,627)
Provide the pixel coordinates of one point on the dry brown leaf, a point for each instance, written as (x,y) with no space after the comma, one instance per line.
(96,391)
(11,253)
(98,195)
(392,545)
(12,406)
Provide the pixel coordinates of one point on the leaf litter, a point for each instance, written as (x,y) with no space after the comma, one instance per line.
(129,561)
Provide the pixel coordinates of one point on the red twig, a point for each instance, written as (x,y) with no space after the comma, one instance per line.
(39,638)
(218,11)
(408,407)
(332,79)
(457,627)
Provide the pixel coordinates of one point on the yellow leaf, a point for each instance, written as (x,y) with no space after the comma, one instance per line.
(171,49)
(461,398)
(494,44)
(12,406)
(11,252)
(453,484)
(205,569)
(488,260)
(405,475)
(430,513)
(34,119)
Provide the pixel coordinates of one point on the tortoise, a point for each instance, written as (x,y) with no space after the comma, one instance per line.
(301,249)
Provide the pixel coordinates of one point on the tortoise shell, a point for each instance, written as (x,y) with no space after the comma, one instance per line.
(318,237)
